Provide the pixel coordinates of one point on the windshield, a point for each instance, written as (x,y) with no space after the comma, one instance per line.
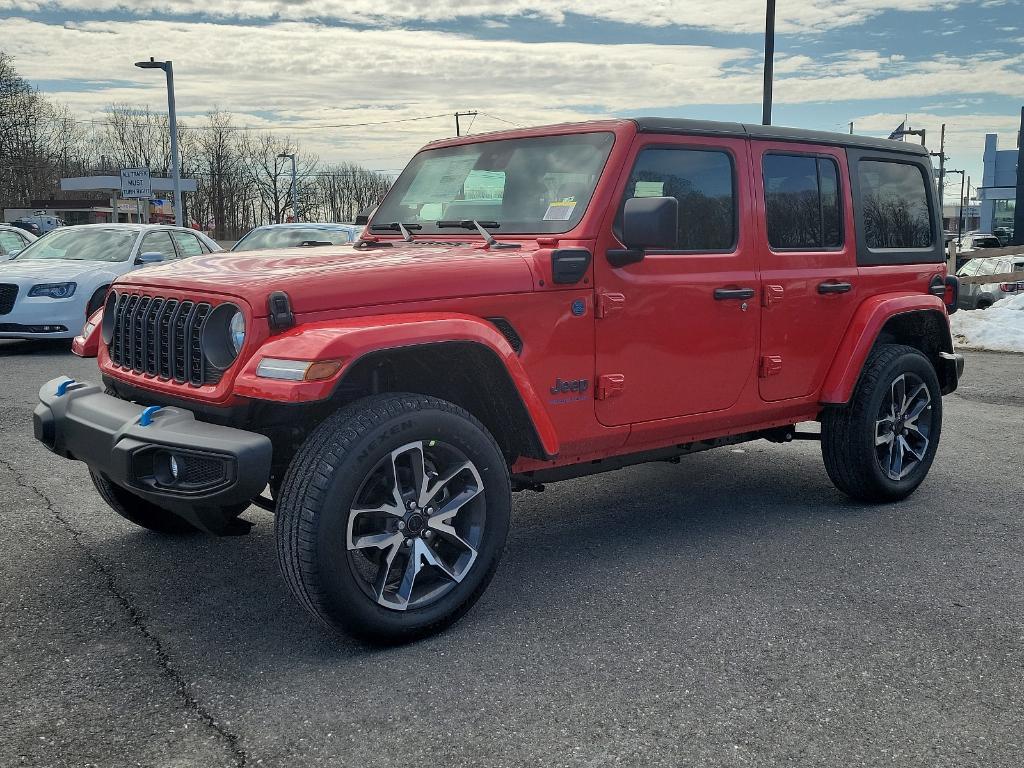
(80,244)
(536,185)
(290,237)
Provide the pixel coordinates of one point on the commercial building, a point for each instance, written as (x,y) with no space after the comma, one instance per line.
(998,190)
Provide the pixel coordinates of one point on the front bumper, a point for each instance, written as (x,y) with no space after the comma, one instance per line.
(41,318)
(163,455)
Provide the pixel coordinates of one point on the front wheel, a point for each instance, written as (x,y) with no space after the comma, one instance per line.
(880,445)
(393,516)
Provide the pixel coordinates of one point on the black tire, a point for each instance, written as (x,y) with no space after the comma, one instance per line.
(96,301)
(984,305)
(137,510)
(856,463)
(337,465)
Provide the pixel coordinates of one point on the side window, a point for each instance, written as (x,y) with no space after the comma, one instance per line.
(702,180)
(10,242)
(970,268)
(988,267)
(158,242)
(188,244)
(894,200)
(801,195)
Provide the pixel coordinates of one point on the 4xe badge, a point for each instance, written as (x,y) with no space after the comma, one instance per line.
(570,390)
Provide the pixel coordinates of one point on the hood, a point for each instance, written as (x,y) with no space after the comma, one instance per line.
(336,277)
(54,269)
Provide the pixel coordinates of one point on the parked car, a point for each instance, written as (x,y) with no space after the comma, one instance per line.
(1005,235)
(28,226)
(51,287)
(44,222)
(642,290)
(295,235)
(13,240)
(984,295)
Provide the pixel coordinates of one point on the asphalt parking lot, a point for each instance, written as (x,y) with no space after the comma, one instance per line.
(732,610)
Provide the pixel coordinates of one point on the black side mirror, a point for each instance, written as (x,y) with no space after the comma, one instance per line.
(363,217)
(647,223)
(149,257)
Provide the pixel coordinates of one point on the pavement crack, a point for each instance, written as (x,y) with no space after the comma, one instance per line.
(137,619)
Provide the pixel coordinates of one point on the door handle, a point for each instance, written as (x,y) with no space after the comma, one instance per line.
(733,293)
(834,287)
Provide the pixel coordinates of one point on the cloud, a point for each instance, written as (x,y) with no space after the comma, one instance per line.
(737,16)
(305,74)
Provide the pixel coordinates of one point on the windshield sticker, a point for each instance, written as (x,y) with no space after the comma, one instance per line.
(560,210)
(439,180)
(649,189)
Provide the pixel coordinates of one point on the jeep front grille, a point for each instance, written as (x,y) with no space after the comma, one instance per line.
(160,337)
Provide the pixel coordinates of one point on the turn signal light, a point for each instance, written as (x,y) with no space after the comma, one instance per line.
(297,370)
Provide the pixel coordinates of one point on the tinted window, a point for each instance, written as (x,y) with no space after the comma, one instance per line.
(188,244)
(895,205)
(158,242)
(702,182)
(802,202)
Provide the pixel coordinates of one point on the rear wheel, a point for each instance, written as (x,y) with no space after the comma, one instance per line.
(393,516)
(880,446)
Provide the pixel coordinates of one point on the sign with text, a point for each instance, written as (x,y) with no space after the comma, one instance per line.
(136,184)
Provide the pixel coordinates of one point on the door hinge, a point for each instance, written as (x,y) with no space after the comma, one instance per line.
(609,302)
(773,294)
(609,385)
(770,365)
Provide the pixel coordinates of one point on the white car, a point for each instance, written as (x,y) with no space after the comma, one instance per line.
(49,289)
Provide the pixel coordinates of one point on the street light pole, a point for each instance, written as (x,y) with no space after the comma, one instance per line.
(172,118)
(769,63)
(295,198)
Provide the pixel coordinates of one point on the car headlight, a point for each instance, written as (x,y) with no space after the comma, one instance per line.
(237,330)
(53,290)
(223,335)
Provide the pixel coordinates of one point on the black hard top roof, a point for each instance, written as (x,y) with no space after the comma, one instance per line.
(770,132)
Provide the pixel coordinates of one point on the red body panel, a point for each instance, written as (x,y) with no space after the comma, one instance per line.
(89,346)
(663,362)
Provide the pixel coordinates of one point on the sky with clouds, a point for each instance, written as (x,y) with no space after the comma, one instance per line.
(300,65)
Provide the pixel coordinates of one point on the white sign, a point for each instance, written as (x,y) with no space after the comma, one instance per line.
(136,184)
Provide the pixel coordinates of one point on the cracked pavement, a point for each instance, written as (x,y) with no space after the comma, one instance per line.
(732,610)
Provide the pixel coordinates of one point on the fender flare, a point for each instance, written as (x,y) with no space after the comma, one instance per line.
(868,321)
(351,339)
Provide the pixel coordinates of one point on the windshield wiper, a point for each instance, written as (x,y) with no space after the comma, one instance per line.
(396,226)
(479,227)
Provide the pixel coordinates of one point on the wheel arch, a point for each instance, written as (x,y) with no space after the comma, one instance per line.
(472,376)
(916,320)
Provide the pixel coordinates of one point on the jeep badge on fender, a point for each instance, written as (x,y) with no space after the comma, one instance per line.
(407,392)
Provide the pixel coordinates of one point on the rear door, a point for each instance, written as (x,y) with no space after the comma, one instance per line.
(807,257)
(666,346)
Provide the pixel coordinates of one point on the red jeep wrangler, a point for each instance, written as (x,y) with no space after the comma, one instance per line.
(523,307)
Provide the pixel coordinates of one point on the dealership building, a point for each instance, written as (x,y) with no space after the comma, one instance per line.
(998,190)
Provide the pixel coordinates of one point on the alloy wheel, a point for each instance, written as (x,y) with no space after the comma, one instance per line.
(416,524)
(903,427)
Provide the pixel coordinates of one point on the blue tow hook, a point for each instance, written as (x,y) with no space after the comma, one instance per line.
(63,386)
(146,417)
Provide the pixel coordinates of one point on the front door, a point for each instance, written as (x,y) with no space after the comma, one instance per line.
(677,331)
(808,264)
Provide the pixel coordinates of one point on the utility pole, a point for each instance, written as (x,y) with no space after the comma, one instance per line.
(295,198)
(458,130)
(942,165)
(851,127)
(769,63)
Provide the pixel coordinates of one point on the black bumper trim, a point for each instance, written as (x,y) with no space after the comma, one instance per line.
(87,425)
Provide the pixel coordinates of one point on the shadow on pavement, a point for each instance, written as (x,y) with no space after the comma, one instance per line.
(14,347)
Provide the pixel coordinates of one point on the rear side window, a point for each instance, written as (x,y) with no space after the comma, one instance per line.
(702,180)
(801,195)
(894,203)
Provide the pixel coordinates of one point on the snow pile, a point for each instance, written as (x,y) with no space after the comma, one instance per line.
(1001,326)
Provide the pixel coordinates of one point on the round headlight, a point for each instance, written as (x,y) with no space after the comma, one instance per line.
(223,335)
(237,330)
